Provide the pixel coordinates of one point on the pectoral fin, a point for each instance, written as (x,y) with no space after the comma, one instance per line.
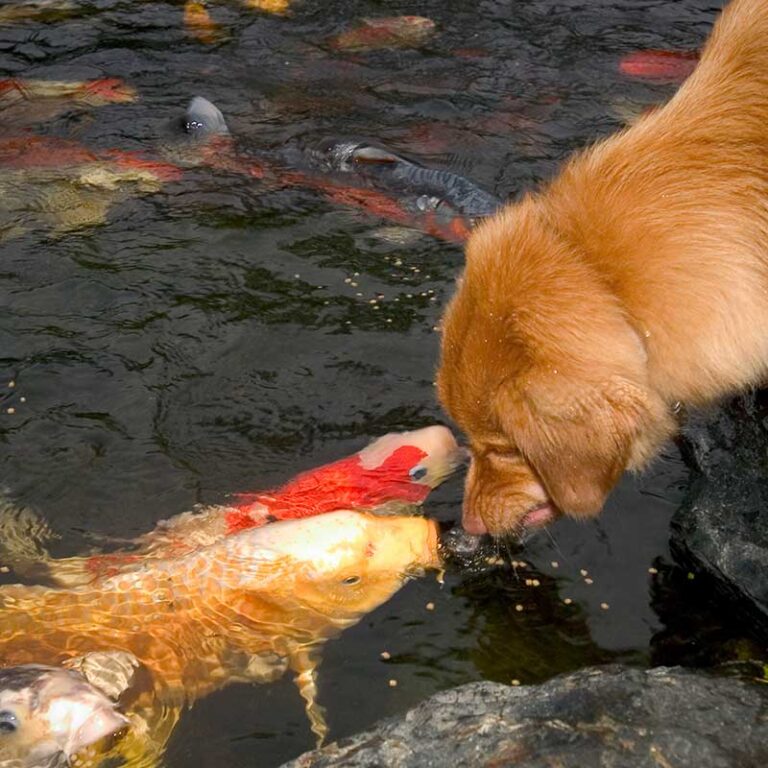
(304,662)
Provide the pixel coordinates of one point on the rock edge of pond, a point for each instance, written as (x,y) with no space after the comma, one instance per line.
(722,528)
(600,716)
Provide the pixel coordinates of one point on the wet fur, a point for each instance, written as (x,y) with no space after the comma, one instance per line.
(636,279)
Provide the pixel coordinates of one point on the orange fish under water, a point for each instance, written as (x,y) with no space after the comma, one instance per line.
(427,212)
(199,24)
(394,472)
(65,187)
(106,90)
(674,66)
(383,33)
(245,609)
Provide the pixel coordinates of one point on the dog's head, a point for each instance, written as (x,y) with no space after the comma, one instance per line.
(546,377)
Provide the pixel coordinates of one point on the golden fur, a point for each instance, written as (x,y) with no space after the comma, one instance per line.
(636,279)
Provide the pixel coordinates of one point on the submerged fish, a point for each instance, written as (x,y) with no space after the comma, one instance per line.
(39,10)
(383,33)
(25,102)
(106,90)
(383,167)
(440,203)
(393,472)
(270,6)
(244,609)
(62,185)
(48,715)
(673,66)
(199,24)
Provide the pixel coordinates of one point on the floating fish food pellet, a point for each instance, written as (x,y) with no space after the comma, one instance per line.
(588,581)
(393,683)
(515,682)
(386,655)
(518,607)
(653,570)
(605,606)
(555,564)
(430,606)
(584,572)
(567,601)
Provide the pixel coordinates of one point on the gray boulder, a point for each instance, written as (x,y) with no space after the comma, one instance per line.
(722,527)
(609,717)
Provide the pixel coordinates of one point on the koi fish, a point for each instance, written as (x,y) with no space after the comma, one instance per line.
(393,473)
(95,93)
(673,66)
(48,714)
(67,187)
(246,608)
(39,10)
(381,34)
(382,167)
(278,7)
(440,203)
(199,24)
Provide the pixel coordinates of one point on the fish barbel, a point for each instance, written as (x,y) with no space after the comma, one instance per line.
(244,609)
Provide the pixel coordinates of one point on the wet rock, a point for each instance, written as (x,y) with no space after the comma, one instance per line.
(722,527)
(611,717)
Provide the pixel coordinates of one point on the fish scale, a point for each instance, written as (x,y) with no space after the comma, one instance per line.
(243,609)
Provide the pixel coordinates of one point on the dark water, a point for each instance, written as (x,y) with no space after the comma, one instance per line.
(208,338)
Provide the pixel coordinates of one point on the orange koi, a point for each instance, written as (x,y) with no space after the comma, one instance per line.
(199,24)
(674,66)
(394,472)
(49,153)
(380,34)
(105,90)
(248,607)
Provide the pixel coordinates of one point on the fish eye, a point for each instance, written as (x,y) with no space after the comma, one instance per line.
(9,723)
(417,473)
(351,580)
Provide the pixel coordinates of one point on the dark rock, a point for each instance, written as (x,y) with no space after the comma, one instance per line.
(722,527)
(608,717)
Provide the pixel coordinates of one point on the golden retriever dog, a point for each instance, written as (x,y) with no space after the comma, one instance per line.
(636,280)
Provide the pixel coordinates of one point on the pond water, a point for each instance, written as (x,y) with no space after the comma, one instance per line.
(218,336)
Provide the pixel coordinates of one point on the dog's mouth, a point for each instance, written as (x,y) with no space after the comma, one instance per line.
(539,516)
